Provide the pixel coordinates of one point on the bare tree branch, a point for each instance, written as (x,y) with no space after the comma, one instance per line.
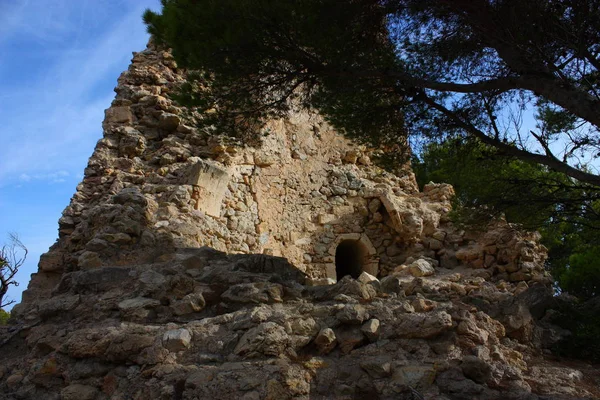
(12,257)
(508,149)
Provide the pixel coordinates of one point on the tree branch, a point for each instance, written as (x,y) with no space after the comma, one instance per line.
(508,149)
(503,84)
(544,145)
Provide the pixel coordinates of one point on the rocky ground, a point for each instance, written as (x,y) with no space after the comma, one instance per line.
(202,324)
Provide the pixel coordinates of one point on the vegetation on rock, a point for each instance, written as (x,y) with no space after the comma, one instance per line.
(4,316)
(583,320)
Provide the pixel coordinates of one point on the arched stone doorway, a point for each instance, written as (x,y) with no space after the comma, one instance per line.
(350,257)
(352,253)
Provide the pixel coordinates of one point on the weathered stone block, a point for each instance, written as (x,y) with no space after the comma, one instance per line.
(210,182)
(118,115)
(177,339)
(421,268)
(169,121)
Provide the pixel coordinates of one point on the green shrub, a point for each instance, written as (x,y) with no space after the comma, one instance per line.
(583,320)
(4,316)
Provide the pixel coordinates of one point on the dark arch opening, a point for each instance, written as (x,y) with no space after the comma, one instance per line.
(349,259)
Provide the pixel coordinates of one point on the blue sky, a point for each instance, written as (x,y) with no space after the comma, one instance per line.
(59,63)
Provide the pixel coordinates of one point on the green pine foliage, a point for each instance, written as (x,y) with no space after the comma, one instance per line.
(582,277)
(4,316)
(583,320)
(382,70)
(567,215)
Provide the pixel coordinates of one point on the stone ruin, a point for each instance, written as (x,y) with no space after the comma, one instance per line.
(189,266)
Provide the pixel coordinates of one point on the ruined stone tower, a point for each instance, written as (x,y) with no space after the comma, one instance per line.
(188,266)
(304,193)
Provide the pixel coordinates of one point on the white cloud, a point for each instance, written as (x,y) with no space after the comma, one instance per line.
(60,60)
(24,178)
(52,177)
(53,123)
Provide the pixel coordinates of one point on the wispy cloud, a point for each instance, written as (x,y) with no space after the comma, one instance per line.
(53,177)
(60,61)
(52,120)
(48,25)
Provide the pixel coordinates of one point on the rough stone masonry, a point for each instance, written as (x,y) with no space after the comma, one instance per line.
(189,266)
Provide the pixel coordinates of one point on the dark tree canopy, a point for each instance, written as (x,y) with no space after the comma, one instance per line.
(381,69)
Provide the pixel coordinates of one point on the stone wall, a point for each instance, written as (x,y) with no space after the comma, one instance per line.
(155,183)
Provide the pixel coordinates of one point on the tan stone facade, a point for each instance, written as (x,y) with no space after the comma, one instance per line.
(155,182)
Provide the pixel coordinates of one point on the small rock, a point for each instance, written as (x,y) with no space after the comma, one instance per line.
(351,156)
(391,284)
(256,292)
(519,276)
(435,244)
(168,121)
(458,288)
(374,205)
(58,305)
(419,325)
(193,302)
(177,339)
(353,314)
(117,238)
(421,268)
(89,260)
(365,277)
(130,195)
(264,160)
(268,338)
(326,218)
(137,308)
(79,392)
(325,340)
(117,115)
(439,235)
(393,251)
(416,376)
(96,244)
(321,282)
(377,367)
(349,337)
(469,329)
(14,380)
(476,369)
(521,288)
(137,302)
(407,307)
(371,329)
(152,280)
(423,305)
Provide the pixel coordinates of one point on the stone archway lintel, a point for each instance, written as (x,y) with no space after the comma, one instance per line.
(361,237)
